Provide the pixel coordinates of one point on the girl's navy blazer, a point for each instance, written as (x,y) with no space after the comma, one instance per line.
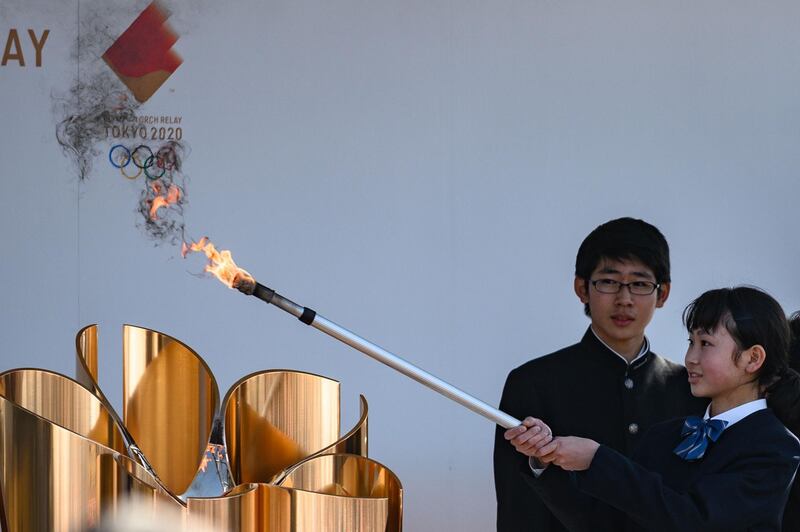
(741,484)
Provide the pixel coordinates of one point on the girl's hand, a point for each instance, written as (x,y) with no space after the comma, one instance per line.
(530,437)
(570,453)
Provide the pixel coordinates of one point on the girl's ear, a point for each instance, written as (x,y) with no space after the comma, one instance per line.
(754,358)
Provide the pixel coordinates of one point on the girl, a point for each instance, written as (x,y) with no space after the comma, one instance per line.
(732,469)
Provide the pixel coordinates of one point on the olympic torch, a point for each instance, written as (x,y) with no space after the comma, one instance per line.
(221,265)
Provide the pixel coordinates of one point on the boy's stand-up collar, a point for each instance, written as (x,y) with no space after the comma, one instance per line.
(607,357)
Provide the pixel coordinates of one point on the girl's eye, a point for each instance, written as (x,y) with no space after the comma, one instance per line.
(705,343)
(691,342)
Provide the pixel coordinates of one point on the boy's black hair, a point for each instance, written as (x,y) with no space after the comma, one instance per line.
(753,317)
(624,239)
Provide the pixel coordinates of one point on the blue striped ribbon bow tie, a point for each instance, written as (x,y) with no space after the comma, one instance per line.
(697,433)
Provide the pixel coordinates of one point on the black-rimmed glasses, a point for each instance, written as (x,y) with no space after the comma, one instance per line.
(636,288)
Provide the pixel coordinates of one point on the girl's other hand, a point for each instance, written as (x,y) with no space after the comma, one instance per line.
(570,453)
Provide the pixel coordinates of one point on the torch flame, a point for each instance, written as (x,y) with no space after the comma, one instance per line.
(163,200)
(220,263)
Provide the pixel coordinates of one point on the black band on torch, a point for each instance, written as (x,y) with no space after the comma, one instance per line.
(264,293)
(307,316)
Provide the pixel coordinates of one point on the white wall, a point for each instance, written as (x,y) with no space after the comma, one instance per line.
(420,172)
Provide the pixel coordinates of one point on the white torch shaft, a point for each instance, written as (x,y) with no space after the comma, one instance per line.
(410,370)
(310,317)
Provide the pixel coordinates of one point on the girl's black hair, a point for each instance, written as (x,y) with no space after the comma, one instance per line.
(753,317)
(794,350)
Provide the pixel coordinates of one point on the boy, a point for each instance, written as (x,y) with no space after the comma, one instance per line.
(608,387)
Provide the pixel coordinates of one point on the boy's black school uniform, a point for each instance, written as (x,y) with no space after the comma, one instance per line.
(583,390)
(741,484)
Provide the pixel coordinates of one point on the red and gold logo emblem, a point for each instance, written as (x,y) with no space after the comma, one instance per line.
(142,56)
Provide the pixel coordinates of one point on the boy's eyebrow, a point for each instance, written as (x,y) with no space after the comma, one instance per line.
(637,274)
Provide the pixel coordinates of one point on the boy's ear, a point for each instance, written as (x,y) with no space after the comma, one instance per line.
(754,358)
(582,289)
(663,294)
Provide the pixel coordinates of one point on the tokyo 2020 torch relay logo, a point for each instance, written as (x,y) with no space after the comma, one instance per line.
(142,57)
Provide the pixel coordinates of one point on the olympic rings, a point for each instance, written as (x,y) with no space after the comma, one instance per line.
(131,177)
(149,164)
(165,159)
(111,156)
(136,160)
